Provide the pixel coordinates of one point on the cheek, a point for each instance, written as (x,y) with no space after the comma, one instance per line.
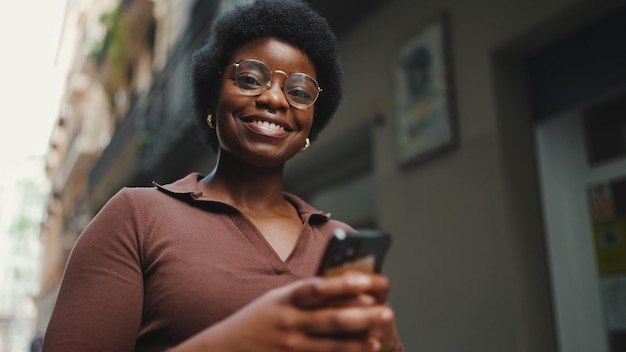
(224,109)
(305,120)
(229,100)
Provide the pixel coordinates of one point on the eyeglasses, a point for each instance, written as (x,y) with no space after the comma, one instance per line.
(254,77)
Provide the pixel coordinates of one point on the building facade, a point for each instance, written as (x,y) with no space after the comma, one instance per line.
(22,192)
(465,131)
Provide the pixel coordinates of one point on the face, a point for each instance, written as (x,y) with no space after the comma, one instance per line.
(264,129)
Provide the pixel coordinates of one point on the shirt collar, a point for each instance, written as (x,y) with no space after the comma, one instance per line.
(188,189)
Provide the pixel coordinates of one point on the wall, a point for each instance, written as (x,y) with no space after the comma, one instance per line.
(468,265)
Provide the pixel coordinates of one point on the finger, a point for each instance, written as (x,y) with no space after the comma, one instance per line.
(352,301)
(349,320)
(316,291)
(297,342)
(356,282)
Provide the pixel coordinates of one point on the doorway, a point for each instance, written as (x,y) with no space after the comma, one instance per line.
(582,167)
(578,95)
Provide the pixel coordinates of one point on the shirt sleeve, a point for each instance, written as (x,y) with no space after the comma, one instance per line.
(99,306)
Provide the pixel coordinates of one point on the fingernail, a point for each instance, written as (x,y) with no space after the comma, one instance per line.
(358,280)
(386,314)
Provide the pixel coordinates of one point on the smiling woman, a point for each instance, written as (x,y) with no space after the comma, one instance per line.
(226,261)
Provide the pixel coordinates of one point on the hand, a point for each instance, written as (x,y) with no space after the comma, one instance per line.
(295,318)
(351,288)
(359,289)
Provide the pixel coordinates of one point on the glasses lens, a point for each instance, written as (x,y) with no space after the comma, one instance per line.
(301,90)
(252,77)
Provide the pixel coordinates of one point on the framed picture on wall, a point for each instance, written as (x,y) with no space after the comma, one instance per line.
(422,82)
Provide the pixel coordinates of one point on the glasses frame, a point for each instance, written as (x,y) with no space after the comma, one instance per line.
(268,84)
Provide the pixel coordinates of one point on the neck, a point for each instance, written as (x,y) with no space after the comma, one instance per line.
(244,185)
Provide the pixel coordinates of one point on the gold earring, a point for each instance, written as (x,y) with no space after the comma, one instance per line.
(209,121)
(307,144)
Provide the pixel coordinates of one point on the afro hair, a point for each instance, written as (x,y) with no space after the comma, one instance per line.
(292,21)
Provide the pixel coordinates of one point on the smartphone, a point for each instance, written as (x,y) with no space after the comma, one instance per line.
(363,249)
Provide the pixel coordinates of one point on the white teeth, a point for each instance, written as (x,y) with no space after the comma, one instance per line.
(270,125)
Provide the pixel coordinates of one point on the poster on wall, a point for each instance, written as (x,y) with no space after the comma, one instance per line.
(424,121)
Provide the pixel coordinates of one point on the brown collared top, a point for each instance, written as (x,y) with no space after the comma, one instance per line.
(157,265)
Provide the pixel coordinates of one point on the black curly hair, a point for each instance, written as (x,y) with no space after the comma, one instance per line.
(292,21)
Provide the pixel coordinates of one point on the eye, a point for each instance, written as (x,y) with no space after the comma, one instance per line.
(300,94)
(248,80)
(301,88)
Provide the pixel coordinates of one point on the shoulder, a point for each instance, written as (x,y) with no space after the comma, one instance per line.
(133,210)
(139,195)
(151,197)
(133,198)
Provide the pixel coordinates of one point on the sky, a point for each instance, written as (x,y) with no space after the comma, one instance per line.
(29,80)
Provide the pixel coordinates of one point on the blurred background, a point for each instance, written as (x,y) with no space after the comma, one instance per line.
(489,139)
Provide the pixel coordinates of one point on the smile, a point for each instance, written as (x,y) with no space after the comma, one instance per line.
(267,128)
(268,125)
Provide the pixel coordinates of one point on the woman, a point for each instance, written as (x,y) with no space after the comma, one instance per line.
(224,262)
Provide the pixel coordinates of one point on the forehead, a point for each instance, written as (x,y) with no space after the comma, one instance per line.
(276,54)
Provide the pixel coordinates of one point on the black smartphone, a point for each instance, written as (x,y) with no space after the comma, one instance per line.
(363,249)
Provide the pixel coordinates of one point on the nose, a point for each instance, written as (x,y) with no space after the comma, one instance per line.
(274,97)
